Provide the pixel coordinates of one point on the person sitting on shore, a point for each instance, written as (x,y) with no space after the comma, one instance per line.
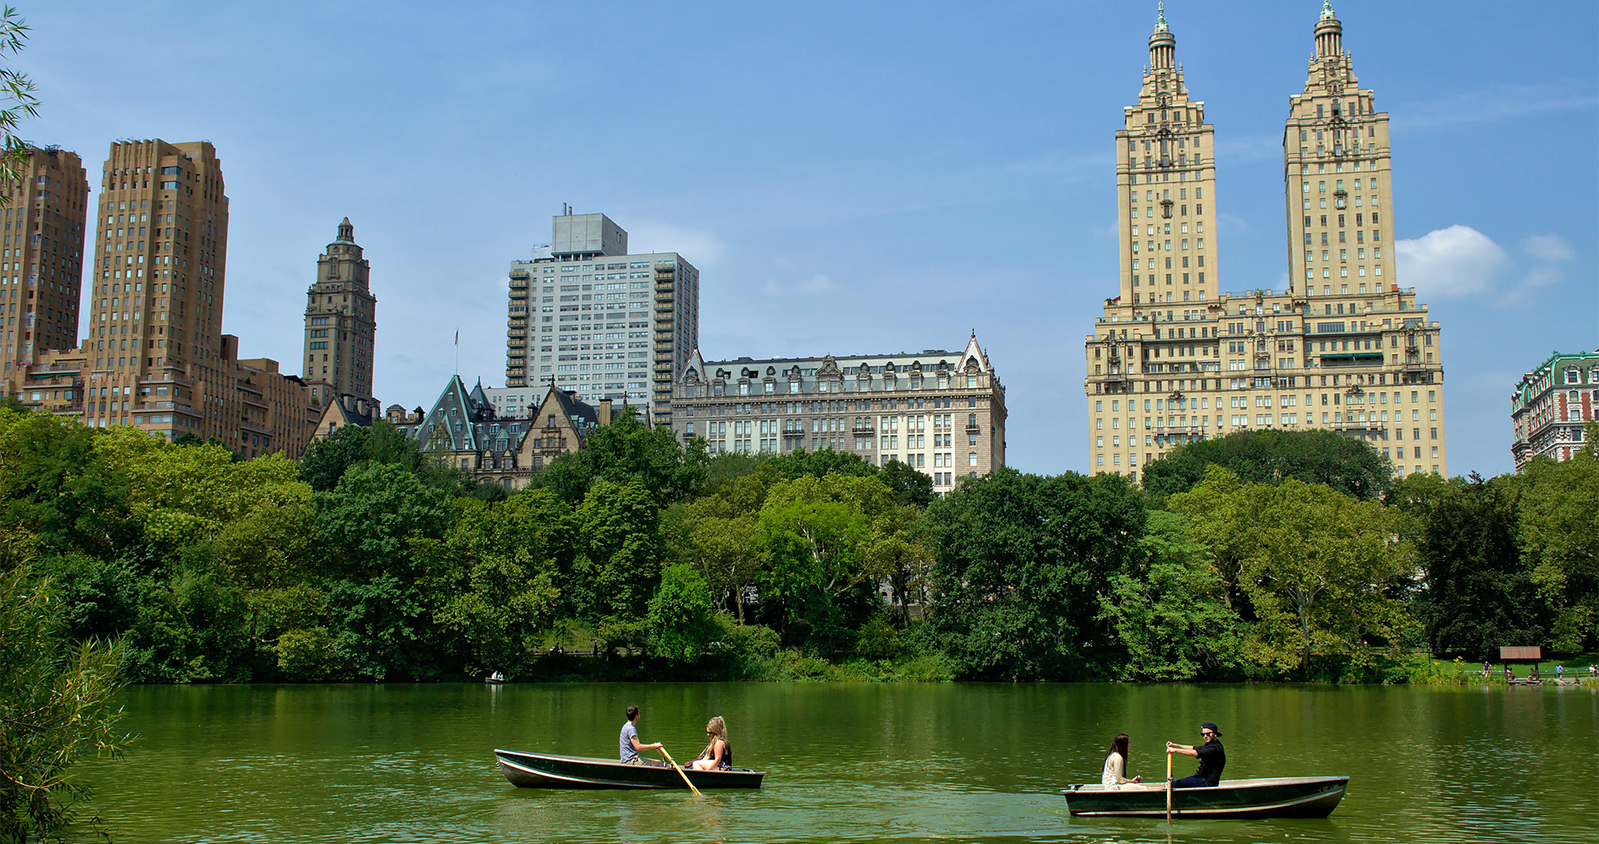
(1212,758)
(718,754)
(630,743)
(1115,774)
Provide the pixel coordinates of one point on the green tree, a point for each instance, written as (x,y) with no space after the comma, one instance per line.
(53,484)
(816,538)
(622,551)
(1558,531)
(717,536)
(1167,608)
(1316,457)
(628,451)
(1477,595)
(910,487)
(380,614)
(55,709)
(1315,565)
(1021,562)
(681,619)
(500,575)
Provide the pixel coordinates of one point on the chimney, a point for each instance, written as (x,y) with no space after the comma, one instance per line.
(605,411)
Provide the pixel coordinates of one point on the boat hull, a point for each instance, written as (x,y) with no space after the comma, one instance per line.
(1277,797)
(547,770)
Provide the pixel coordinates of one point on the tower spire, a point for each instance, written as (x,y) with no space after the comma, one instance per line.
(1327,10)
(1160,16)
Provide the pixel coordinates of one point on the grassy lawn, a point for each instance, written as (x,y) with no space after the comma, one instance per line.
(1576,666)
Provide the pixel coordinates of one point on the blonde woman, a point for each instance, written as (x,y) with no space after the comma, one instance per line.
(718,754)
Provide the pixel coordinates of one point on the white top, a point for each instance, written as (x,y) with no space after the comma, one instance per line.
(1115,771)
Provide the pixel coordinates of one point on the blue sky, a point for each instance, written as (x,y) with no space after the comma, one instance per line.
(848,177)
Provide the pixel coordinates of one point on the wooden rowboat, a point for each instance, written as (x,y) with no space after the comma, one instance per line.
(547,770)
(1273,797)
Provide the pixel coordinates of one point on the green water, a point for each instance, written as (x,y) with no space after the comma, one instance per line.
(845,762)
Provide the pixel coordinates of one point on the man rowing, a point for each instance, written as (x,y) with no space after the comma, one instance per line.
(630,745)
(1212,758)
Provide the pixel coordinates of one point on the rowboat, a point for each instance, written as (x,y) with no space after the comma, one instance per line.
(547,770)
(1271,797)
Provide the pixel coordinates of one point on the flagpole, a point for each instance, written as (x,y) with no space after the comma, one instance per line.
(458,352)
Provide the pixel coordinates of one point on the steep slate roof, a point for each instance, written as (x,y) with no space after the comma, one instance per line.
(458,421)
(463,420)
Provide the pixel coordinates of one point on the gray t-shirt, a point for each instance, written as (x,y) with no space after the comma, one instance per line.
(628,734)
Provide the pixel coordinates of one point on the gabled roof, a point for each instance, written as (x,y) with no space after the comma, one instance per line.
(457,420)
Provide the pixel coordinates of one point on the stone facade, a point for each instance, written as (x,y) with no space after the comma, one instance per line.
(340,323)
(1551,404)
(41,267)
(1343,348)
(940,412)
(600,322)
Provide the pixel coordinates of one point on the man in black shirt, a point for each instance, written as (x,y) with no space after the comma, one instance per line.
(1212,758)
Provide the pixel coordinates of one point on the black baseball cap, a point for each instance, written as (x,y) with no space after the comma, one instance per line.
(1212,727)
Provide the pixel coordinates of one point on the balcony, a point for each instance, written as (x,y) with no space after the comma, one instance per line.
(864,429)
(794,435)
(974,428)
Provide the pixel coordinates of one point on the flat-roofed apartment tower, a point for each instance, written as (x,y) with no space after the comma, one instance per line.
(154,355)
(155,304)
(1343,348)
(599,322)
(41,265)
(340,323)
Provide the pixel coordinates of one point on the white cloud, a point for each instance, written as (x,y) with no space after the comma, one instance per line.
(1457,261)
(1500,102)
(1461,261)
(700,248)
(815,284)
(1548,247)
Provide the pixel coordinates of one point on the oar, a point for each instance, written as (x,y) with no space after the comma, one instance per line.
(1168,788)
(681,773)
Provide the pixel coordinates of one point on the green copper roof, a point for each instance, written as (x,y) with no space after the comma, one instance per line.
(1160,17)
(1326,10)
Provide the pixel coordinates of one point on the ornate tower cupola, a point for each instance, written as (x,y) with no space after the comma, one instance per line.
(346,231)
(1329,33)
(1166,185)
(1162,46)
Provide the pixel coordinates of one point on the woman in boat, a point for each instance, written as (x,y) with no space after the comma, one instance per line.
(1115,774)
(718,754)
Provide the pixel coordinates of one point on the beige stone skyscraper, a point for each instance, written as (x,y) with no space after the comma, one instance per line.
(41,265)
(1343,348)
(1166,180)
(340,323)
(1335,172)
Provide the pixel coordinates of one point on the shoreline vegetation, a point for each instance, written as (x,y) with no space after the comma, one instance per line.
(1261,556)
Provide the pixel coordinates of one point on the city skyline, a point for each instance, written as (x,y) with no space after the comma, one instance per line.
(944,173)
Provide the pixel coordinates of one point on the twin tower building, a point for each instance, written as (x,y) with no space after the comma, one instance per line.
(1344,347)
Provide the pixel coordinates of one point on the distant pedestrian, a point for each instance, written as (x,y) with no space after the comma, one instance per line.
(1593,670)
(1560,671)
(1509,675)
(1485,669)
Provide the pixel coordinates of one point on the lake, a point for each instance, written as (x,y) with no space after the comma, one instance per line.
(844,762)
